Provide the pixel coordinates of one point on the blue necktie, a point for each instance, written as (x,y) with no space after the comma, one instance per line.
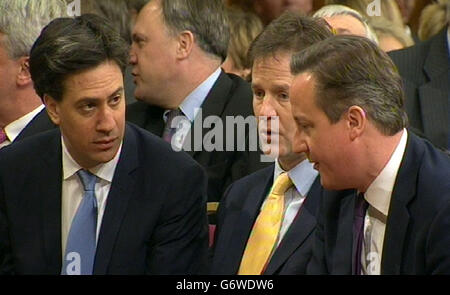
(81,242)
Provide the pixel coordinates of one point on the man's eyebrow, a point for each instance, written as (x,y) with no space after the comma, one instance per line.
(119,90)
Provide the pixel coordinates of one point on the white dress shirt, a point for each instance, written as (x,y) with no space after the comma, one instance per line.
(378,195)
(14,128)
(73,191)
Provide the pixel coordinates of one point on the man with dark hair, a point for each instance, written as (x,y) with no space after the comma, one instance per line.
(178,47)
(114,199)
(22,113)
(242,226)
(348,103)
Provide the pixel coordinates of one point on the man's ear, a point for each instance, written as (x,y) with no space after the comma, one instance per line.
(185,44)
(24,76)
(356,121)
(52,107)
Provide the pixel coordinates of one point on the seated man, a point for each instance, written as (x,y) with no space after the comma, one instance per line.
(251,204)
(348,103)
(176,58)
(96,196)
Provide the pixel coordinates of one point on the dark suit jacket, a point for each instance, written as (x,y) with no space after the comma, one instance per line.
(154,222)
(230,96)
(41,122)
(417,237)
(425,72)
(237,214)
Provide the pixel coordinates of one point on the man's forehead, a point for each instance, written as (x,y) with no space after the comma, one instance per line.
(101,80)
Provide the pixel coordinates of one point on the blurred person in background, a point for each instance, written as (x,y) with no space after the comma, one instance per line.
(244,27)
(425,72)
(390,36)
(346,21)
(433,19)
(21,110)
(269,10)
(119,14)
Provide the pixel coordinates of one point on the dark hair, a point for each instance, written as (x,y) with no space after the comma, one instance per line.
(115,11)
(137,5)
(352,70)
(206,19)
(69,45)
(290,32)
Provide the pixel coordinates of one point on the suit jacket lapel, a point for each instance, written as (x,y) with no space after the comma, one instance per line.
(244,223)
(213,105)
(433,95)
(300,229)
(50,191)
(398,216)
(122,188)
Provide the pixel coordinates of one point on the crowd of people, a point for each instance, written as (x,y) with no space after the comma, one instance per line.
(230,137)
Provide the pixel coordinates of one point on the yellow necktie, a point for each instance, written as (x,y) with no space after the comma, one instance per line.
(265,230)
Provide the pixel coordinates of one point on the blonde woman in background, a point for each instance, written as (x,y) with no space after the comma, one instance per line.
(390,36)
(244,27)
(433,19)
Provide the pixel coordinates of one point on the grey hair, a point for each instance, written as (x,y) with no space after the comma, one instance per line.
(337,9)
(21,21)
(206,19)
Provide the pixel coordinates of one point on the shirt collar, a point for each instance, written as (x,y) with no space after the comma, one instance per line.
(13,129)
(379,193)
(104,171)
(302,175)
(192,103)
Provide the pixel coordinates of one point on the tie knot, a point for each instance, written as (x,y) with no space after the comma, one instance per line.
(361,205)
(172,114)
(3,136)
(282,183)
(87,179)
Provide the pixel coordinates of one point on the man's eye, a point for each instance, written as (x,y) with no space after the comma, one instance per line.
(284,96)
(115,100)
(258,94)
(88,106)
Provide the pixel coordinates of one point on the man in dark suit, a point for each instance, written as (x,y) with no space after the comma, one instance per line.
(176,54)
(96,196)
(425,71)
(348,103)
(21,110)
(241,209)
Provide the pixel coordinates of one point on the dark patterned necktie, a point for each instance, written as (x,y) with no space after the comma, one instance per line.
(358,231)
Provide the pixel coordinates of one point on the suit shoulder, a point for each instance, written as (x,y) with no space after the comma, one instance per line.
(154,149)
(257,176)
(245,184)
(25,154)
(239,97)
(136,111)
(435,166)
